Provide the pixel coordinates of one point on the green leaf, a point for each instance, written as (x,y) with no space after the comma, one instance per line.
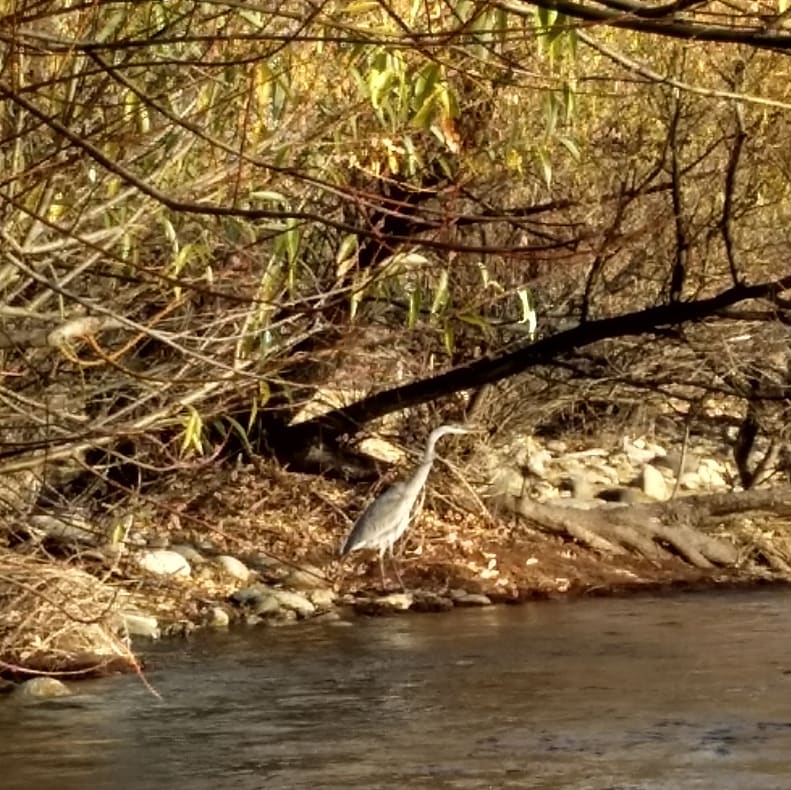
(440,293)
(545,162)
(425,112)
(449,338)
(379,83)
(269,197)
(424,83)
(347,248)
(473,319)
(193,430)
(571,147)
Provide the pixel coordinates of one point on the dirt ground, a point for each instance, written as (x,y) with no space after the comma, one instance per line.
(266,515)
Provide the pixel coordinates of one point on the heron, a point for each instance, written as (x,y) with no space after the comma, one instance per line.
(386,519)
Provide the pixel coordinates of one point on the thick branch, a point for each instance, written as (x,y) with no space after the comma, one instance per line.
(483,371)
(637,19)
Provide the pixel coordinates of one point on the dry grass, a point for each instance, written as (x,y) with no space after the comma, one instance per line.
(57,619)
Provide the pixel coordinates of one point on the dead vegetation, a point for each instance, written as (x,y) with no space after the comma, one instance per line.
(57,619)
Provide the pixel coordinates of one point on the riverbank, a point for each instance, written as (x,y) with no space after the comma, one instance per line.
(258,546)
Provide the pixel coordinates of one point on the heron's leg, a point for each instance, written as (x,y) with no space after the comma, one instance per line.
(394,563)
(382,568)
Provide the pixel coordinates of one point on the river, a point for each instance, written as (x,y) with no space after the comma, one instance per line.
(670,693)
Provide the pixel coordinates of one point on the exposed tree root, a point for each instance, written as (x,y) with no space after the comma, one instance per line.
(658,530)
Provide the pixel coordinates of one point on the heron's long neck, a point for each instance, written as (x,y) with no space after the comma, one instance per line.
(418,480)
(421,473)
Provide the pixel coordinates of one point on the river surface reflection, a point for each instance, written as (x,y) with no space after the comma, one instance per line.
(646,693)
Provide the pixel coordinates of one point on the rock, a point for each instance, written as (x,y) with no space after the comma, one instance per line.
(266,606)
(672,461)
(181,628)
(136,624)
(41,688)
(306,577)
(322,598)
(264,600)
(654,484)
(284,617)
(394,602)
(257,599)
(268,568)
(218,618)
(190,553)
(431,602)
(294,601)
(232,567)
(581,487)
(639,451)
(327,617)
(691,481)
(65,528)
(246,596)
(163,562)
(711,473)
(472,599)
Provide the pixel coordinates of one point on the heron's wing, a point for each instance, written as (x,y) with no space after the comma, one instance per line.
(383,517)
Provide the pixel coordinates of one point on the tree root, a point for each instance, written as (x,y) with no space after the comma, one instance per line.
(657,531)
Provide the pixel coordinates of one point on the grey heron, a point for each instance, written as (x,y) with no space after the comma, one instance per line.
(386,519)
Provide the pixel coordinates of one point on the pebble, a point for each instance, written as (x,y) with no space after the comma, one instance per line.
(233,567)
(218,618)
(163,562)
(294,601)
(654,484)
(140,625)
(41,688)
(321,597)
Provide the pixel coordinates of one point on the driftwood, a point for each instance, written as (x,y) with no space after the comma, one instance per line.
(657,530)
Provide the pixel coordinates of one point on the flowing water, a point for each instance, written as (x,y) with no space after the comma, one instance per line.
(674,693)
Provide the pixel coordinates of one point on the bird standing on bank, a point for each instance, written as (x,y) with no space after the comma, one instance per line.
(386,519)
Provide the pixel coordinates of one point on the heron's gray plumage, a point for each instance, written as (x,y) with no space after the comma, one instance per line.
(386,519)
